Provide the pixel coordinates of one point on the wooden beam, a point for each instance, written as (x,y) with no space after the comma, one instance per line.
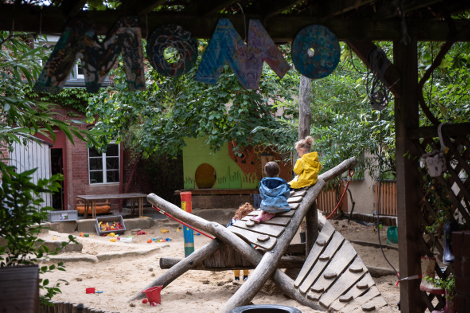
(72,7)
(145,6)
(406,116)
(281,29)
(392,76)
(329,9)
(206,8)
(276,7)
(447,129)
(389,9)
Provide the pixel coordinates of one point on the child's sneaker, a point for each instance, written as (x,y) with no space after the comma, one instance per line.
(245,277)
(266,217)
(237,278)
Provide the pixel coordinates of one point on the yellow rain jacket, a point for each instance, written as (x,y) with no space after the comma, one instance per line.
(307,169)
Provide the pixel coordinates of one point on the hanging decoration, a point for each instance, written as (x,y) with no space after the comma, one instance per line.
(183,44)
(435,161)
(326,51)
(246,60)
(79,40)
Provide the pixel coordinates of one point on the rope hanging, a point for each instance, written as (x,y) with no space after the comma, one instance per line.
(351,173)
(181,222)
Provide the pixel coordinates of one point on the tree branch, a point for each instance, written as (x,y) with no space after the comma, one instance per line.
(451,39)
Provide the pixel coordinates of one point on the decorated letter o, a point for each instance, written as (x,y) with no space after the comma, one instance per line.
(326,51)
(172,36)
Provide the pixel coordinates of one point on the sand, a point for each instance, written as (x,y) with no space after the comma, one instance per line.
(195,291)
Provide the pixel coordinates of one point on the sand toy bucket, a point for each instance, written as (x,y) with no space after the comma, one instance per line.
(153,294)
(392,234)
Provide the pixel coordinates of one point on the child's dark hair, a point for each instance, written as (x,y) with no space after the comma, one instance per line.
(271,169)
(243,211)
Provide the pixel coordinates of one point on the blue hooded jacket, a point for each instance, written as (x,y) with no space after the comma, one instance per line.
(274,192)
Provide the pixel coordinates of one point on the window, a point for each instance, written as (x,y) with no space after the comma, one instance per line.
(104,167)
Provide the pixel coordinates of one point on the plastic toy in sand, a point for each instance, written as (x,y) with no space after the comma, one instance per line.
(142,232)
(144,301)
(168,239)
(153,295)
(112,239)
(163,230)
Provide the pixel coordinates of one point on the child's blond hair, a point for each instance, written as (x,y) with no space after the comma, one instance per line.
(243,211)
(305,144)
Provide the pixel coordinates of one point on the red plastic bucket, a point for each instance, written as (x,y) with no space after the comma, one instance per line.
(153,294)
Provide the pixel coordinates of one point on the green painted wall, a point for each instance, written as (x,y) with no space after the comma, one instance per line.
(229,174)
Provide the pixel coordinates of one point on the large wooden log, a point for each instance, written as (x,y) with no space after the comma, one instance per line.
(186,264)
(267,266)
(287,261)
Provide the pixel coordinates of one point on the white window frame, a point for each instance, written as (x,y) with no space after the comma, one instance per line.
(104,170)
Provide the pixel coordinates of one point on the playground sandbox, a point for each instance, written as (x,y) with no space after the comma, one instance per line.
(121,269)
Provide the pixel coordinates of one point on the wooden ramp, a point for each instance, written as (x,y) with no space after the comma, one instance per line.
(335,277)
(265,235)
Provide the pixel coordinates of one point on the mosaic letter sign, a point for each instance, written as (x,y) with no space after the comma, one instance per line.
(246,61)
(326,51)
(79,40)
(176,37)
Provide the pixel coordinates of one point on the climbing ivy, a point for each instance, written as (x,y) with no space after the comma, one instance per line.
(75,98)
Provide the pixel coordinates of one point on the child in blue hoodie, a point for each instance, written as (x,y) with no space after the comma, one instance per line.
(274,192)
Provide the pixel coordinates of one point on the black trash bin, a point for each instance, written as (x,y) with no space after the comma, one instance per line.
(266,308)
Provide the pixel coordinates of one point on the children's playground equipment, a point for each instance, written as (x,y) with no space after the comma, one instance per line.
(333,276)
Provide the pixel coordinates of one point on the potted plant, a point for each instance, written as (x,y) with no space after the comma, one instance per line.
(448,284)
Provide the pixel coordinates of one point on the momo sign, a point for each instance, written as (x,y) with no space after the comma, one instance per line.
(79,41)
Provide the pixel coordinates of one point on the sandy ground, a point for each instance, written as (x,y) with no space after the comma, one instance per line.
(195,291)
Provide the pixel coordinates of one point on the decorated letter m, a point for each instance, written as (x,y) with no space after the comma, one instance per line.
(79,40)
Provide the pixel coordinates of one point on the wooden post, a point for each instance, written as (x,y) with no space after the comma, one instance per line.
(406,116)
(305,119)
(305,112)
(312,228)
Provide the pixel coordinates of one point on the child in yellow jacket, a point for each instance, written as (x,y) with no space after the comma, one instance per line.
(307,167)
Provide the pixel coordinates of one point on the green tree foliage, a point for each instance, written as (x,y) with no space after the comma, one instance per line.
(20,118)
(174,108)
(446,92)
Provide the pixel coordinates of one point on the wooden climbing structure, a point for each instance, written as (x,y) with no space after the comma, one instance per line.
(333,275)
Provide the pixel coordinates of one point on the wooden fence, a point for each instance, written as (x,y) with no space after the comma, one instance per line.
(328,199)
(388,197)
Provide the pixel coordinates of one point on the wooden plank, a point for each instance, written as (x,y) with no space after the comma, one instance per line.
(377,302)
(282,221)
(447,129)
(369,295)
(262,228)
(343,283)
(354,292)
(320,265)
(287,214)
(338,264)
(252,237)
(325,235)
(296,199)
(298,193)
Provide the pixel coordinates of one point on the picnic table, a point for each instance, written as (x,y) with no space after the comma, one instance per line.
(90,201)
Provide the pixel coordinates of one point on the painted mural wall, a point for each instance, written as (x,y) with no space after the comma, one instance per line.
(226,170)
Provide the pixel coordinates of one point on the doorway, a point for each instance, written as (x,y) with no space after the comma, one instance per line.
(57,167)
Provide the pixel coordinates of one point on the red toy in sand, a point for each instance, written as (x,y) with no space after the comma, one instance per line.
(142,232)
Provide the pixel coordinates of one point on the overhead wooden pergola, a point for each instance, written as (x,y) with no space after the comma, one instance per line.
(358,22)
